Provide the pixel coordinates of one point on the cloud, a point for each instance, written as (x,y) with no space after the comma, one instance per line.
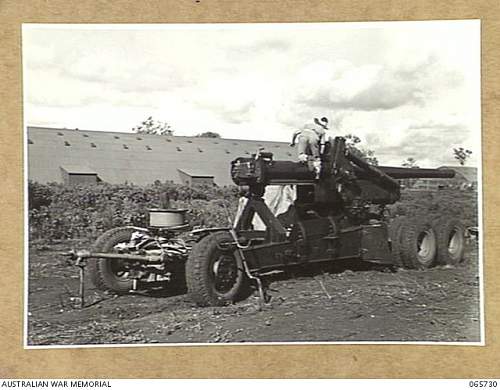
(127,75)
(270,45)
(364,88)
(237,115)
(39,56)
(437,125)
(229,111)
(258,48)
(430,143)
(371,87)
(231,98)
(263,82)
(64,92)
(337,119)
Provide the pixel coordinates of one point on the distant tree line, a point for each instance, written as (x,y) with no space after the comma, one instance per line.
(156,127)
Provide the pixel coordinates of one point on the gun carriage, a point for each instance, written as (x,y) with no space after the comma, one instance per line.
(339,216)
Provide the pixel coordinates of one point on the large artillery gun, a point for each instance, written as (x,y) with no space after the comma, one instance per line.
(340,215)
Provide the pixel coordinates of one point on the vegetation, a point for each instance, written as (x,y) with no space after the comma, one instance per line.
(446,202)
(410,162)
(61,212)
(153,126)
(208,134)
(461,155)
(352,143)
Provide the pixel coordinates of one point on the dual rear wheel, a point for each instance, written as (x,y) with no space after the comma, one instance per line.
(418,243)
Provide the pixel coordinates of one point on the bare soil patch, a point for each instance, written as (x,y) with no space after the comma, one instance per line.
(340,302)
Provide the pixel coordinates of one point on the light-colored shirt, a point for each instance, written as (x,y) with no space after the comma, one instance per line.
(312,131)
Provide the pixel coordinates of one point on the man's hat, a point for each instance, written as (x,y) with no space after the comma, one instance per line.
(323,122)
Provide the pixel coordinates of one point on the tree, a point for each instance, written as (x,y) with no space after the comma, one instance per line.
(410,162)
(368,155)
(208,134)
(461,154)
(152,126)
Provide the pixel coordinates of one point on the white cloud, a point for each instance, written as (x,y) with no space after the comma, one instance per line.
(372,86)
(402,87)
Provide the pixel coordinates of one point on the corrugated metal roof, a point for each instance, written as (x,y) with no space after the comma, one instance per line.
(195,173)
(79,169)
(138,158)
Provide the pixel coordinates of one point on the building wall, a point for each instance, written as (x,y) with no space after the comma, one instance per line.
(202,181)
(185,178)
(189,180)
(75,178)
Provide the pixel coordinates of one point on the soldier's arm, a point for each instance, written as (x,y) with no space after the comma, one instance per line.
(294,137)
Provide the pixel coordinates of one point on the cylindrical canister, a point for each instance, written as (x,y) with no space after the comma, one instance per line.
(167,218)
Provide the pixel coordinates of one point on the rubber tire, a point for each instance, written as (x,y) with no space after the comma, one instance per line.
(200,284)
(396,228)
(445,227)
(410,246)
(101,274)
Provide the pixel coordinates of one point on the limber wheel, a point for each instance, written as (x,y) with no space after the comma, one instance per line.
(111,275)
(419,244)
(214,275)
(451,241)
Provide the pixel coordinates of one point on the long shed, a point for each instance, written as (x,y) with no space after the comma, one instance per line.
(136,158)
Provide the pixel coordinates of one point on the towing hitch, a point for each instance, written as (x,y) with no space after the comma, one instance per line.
(81,258)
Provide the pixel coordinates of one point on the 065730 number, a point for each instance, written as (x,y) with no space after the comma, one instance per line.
(484,383)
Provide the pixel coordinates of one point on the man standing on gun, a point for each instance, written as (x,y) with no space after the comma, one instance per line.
(311,142)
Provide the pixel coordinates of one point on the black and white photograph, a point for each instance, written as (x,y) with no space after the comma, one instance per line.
(257,183)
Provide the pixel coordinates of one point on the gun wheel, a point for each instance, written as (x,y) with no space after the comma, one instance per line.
(451,241)
(112,275)
(396,233)
(214,275)
(419,244)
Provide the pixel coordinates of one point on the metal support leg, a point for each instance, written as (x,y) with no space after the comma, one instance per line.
(264,298)
(81,265)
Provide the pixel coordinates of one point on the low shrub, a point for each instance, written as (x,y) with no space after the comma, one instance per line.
(461,204)
(62,212)
(39,195)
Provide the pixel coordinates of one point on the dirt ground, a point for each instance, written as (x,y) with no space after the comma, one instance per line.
(341,302)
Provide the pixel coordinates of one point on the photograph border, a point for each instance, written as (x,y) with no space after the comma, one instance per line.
(255,27)
(248,361)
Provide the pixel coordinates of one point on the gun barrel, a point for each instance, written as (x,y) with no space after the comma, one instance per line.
(375,173)
(265,171)
(288,172)
(247,171)
(415,173)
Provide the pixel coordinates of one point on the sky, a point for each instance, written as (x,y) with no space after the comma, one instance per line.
(407,89)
